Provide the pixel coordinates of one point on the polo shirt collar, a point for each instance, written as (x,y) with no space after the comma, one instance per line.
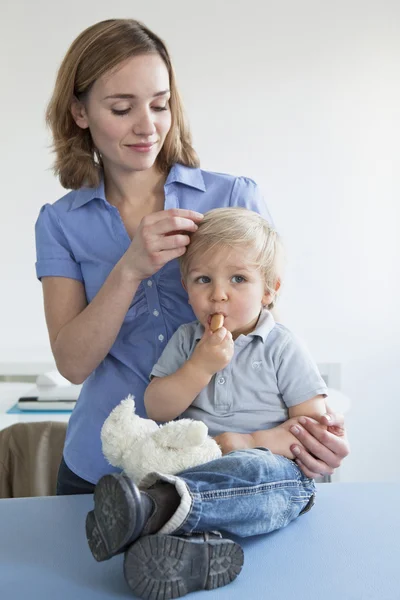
(265,325)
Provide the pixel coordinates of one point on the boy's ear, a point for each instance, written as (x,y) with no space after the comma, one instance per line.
(270,297)
(183,284)
(79,114)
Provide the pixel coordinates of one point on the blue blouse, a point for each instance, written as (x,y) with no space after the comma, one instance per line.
(82,236)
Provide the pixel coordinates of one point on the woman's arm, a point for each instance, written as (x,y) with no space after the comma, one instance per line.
(82,334)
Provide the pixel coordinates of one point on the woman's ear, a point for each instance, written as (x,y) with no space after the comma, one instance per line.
(79,113)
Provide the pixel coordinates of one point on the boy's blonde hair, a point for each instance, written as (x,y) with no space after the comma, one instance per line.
(238,228)
(97,50)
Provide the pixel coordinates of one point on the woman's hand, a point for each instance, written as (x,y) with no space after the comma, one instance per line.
(160,237)
(323,445)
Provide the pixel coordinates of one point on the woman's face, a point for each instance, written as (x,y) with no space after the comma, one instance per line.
(127,112)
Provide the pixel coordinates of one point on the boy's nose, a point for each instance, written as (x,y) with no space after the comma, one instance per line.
(219,294)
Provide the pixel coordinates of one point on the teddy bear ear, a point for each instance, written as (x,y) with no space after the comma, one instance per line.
(130,401)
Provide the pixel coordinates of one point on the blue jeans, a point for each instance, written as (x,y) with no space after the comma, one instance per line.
(244,493)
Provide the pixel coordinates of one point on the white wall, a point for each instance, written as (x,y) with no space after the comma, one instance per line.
(304,97)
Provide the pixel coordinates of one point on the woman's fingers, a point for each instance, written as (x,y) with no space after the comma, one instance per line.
(162,258)
(160,238)
(165,234)
(311,462)
(322,451)
(176,212)
(316,435)
(332,419)
(169,242)
(306,471)
(176,219)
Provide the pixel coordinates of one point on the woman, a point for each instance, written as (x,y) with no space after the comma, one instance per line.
(106,251)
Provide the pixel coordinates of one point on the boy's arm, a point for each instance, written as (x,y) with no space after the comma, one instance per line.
(298,378)
(277,439)
(280,437)
(167,397)
(315,408)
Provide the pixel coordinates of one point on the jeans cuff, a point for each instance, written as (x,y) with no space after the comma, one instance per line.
(183,511)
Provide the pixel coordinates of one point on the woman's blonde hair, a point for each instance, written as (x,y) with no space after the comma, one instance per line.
(238,228)
(95,51)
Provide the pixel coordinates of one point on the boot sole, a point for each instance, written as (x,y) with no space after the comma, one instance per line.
(117,518)
(162,567)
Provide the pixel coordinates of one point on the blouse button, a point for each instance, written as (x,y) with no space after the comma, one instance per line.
(161,337)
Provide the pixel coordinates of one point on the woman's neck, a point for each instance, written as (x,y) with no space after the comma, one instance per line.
(131,189)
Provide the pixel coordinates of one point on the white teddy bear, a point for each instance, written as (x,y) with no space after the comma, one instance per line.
(140,446)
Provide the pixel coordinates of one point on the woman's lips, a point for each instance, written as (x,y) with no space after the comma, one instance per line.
(141,147)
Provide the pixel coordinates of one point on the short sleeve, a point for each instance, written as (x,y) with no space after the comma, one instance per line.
(247,194)
(53,253)
(175,354)
(297,375)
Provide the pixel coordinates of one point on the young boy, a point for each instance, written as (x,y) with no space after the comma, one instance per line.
(242,380)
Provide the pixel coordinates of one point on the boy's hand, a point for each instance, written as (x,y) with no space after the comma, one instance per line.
(214,351)
(231,441)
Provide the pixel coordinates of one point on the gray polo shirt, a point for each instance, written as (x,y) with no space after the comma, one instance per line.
(269,372)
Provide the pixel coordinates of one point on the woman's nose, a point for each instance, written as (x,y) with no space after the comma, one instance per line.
(144,125)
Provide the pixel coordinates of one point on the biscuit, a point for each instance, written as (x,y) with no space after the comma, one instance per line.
(217,322)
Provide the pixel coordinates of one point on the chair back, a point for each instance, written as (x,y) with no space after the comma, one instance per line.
(30,454)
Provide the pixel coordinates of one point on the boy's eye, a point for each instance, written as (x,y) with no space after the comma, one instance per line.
(203,279)
(238,279)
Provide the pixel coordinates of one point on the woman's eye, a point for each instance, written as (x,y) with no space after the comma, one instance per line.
(160,108)
(238,279)
(120,112)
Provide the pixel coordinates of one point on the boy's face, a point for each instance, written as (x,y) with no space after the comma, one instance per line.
(224,281)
